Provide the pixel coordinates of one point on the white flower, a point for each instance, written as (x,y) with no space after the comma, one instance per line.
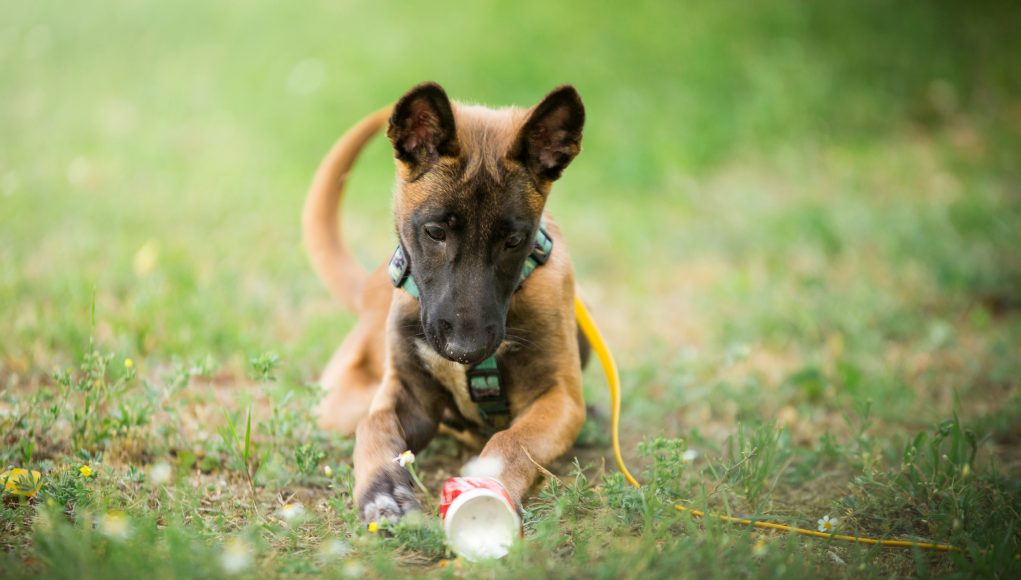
(237,556)
(115,526)
(827,524)
(406,458)
(353,569)
(483,467)
(291,512)
(689,456)
(328,470)
(333,549)
(160,473)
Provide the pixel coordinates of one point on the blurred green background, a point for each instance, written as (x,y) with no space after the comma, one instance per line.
(756,178)
(799,212)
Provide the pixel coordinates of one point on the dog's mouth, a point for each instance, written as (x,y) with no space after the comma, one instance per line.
(465,350)
(466,359)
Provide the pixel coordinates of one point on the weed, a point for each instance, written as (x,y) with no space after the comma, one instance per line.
(264,364)
(246,455)
(90,395)
(624,498)
(668,466)
(757,456)
(809,213)
(419,535)
(67,487)
(307,457)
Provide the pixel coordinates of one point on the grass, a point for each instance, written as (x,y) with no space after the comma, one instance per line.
(797,224)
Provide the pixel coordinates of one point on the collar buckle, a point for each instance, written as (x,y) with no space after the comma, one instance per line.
(399,267)
(399,270)
(543,246)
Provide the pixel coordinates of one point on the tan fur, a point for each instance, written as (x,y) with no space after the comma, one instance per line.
(452,376)
(486,135)
(364,391)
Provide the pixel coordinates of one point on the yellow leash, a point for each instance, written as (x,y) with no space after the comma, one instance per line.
(595,338)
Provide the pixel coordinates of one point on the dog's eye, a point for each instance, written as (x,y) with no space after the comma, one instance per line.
(436,232)
(515,240)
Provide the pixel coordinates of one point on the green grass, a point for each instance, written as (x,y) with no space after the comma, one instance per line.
(797,222)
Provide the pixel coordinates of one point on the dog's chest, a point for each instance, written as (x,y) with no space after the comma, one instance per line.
(453,377)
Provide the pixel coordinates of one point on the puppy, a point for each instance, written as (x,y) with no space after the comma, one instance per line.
(471,323)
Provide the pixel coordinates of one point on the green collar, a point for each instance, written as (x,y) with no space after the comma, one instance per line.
(484,378)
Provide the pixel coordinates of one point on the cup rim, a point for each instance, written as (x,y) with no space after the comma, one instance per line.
(468,495)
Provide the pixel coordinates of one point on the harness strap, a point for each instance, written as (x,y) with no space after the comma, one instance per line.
(487,394)
(484,378)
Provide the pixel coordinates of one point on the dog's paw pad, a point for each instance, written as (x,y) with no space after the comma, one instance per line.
(388,499)
(382,508)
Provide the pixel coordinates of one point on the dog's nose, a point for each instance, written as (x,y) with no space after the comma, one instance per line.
(467,343)
(467,354)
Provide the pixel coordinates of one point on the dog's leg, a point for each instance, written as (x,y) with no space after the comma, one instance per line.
(546,429)
(396,422)
(356,369)
(351,381)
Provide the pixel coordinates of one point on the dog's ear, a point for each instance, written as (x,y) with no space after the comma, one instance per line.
(422,127)
(551,136)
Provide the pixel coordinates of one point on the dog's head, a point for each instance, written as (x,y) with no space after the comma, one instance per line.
(471,186)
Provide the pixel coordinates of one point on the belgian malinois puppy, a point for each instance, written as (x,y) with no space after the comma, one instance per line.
(472,185)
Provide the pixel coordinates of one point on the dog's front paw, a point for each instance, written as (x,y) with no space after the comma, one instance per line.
(387,500)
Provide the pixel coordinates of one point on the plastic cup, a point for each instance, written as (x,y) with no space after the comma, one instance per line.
(479,518)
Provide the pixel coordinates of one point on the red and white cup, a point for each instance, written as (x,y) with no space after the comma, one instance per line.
(479,517)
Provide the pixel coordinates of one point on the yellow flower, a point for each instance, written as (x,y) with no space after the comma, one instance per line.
(128,363)
(86,471)
(373,527)
(21,482)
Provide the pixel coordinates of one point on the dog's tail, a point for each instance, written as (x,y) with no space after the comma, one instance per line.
(337,268)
